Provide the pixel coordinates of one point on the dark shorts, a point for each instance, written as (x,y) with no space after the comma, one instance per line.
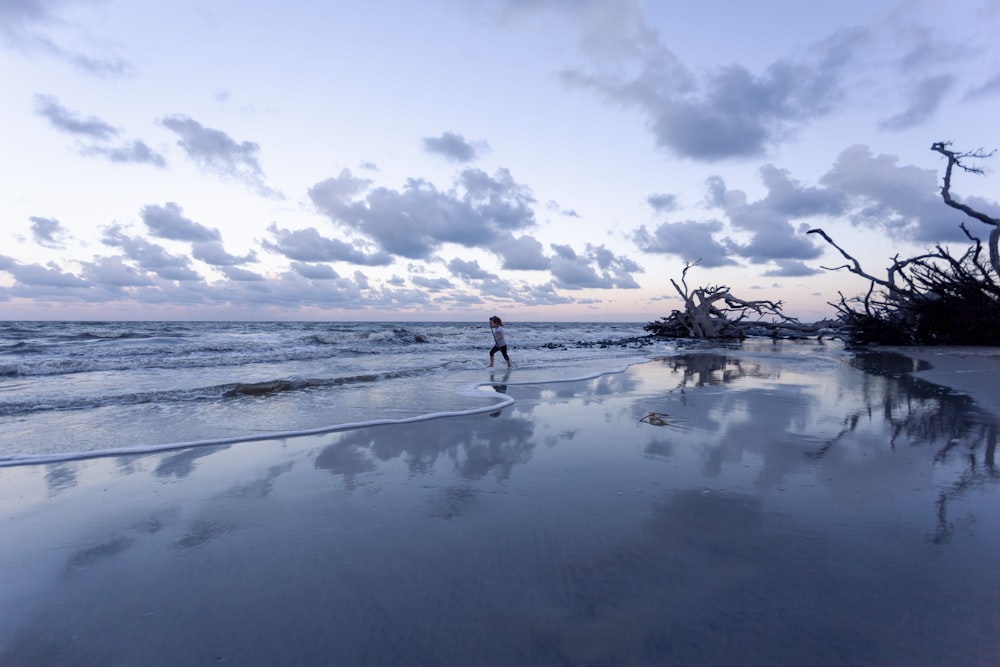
(501,350)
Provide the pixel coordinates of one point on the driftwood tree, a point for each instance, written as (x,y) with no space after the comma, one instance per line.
(714,312)
(934,298)
(955,160)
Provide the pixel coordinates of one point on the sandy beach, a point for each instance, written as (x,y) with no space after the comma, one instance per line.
(776,504)
(971,370)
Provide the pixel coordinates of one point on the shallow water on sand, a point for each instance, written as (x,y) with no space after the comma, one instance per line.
(771,504)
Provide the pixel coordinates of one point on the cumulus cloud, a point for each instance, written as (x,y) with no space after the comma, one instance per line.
(212,252)
(662,203)
(729,111)
(168,222)
(315,271)
(791,268)
(868,190)
(454,147)
(308,245)
(63,119)
(769,220)
(242,275)
(597,267)
(95,133)
(217,152)
(690,240)
(114,272)
(135,151)
(431,284)
(900,199)
(50,275)
(150,256)
(417,220)
(47,232)
(522,253)
(468,270)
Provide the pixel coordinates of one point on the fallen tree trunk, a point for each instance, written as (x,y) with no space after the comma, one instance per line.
(714,312)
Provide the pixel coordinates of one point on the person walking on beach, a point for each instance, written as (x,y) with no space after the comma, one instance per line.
(500,341)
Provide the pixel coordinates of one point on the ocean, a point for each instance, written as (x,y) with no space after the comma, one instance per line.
(77,389)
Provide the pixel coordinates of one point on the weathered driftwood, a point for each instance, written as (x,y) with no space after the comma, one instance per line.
(955,160)
(934,298)
(714,312)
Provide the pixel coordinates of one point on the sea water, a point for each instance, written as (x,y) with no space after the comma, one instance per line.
(70,389)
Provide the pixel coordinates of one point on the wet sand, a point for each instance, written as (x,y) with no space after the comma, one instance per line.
(971,370)
(785,506)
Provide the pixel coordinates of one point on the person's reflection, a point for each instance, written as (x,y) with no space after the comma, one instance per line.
(499,386)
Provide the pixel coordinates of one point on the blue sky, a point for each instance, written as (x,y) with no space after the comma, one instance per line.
(446,159)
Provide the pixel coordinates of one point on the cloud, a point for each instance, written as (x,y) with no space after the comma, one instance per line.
(728,112)
(789,197)
(468,270)
(168,222)
(691,240)
(25,26)
(989,88)
(65,120)
(50,275)
(431,284)
(790,268)
(242,275)
(132,152)
(219,153)
(554,206)
(869,190)
(114,272)
(150,256)
(454,147)
(212,252)
(95,132)
(522,253)
(47,232)
(315,271)
(307,245)
(733,111)
(575,271)
(609,29)
(925,98)
(769,219)
(901,200)
(662,203)
(416,221)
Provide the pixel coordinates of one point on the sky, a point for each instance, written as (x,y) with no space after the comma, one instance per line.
(542,160)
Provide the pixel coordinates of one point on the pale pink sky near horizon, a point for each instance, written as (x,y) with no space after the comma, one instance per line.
(549,160)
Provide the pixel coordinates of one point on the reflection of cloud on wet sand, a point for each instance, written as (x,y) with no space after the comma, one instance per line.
(90,555)
(201,532)
(755,415)
(263,485)
(181,464)
(59,477)
(451,502)
(346,459)
(474,446)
